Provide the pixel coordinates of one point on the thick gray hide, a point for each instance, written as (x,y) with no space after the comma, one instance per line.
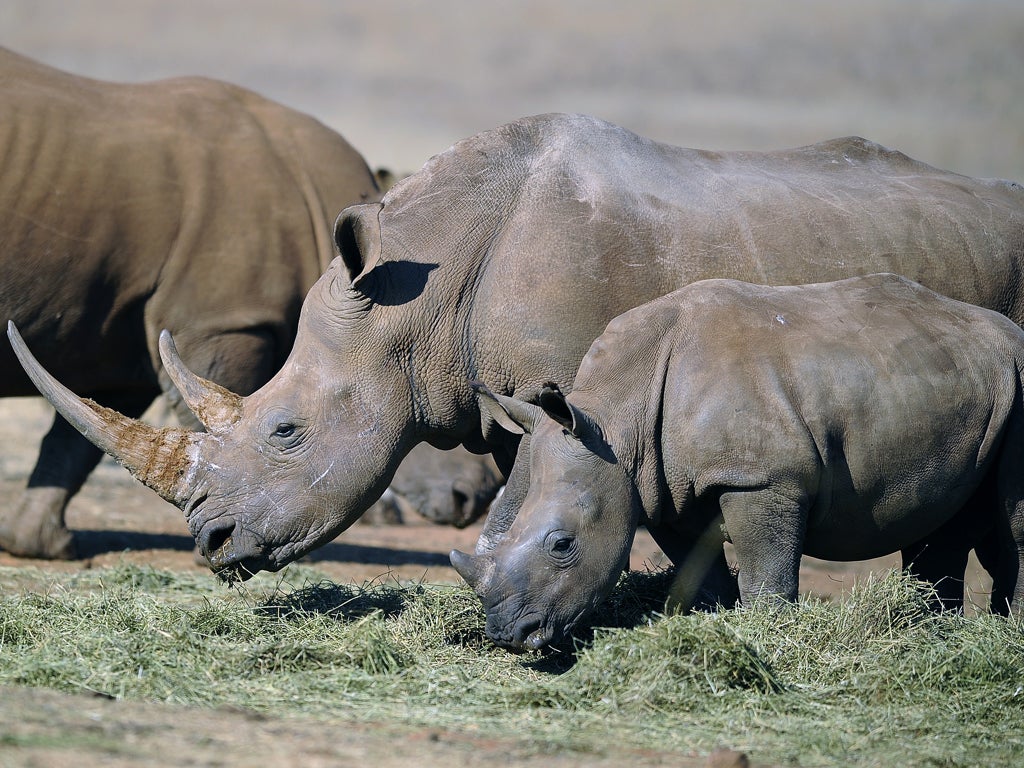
(843,420)
(500,261)
(186,204)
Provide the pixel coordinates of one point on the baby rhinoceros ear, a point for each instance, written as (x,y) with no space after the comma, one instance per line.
(515,416)
(573,420)
(554,404)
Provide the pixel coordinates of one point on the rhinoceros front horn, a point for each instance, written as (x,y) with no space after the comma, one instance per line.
(160,458)
(475,569)
(216,408)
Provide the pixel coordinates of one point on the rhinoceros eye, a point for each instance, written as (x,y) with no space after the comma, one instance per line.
(561,546)
(284,429)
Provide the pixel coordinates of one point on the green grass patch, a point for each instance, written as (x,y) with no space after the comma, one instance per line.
(873,679)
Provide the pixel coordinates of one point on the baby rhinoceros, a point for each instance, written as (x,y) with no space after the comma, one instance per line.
(843,420)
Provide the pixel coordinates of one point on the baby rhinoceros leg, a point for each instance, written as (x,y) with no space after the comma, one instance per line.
(767,530)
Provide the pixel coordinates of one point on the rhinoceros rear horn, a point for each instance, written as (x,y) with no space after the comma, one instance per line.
(160,458)
(475,569)
(216,408)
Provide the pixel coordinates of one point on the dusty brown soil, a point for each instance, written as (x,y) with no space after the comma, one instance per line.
(51,730)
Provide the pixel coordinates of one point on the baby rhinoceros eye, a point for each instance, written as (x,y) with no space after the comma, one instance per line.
(562,545)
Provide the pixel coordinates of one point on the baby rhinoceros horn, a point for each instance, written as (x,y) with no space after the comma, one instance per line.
(475,569)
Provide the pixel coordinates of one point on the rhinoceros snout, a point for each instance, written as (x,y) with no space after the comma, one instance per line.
(527,634)
(231,554)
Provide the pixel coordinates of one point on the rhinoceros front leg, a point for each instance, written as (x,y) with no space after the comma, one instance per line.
(34,526)
(767,529)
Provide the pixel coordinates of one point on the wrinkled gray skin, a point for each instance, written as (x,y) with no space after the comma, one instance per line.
(186,204)
(500,261)
(842,420)
(451,487)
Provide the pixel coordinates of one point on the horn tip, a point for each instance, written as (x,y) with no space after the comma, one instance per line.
(460,561)
(469,567)
(167,345)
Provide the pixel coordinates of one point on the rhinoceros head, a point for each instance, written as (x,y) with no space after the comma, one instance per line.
(570,541)
(285,469)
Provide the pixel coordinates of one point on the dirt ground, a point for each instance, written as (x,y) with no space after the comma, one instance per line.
(942,80)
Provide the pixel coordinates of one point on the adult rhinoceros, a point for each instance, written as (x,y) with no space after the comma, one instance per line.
(501,260)
(186,204)
(844,420)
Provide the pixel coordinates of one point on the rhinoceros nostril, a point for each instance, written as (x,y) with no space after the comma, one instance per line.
(214,536)
(527,632)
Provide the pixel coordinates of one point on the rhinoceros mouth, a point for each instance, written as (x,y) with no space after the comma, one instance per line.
(232,552)
(526,633)
(234,568)
(535,633)
(236,573)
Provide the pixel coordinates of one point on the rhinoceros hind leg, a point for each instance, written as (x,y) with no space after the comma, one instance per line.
(703,580)
(1001,551)
(940,561)
(941,558)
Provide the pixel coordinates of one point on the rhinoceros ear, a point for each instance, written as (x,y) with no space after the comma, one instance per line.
(357,239)
(513,415)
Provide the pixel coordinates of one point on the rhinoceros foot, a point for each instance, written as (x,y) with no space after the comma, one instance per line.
(35,526)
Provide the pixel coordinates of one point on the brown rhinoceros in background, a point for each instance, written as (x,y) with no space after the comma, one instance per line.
(186,204)
(502,260)
(843,420)
(453,487)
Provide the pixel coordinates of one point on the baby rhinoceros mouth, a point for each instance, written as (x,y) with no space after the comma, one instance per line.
(534,633)
(526,634)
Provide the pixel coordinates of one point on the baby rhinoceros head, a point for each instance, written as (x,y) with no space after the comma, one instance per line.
(570,540)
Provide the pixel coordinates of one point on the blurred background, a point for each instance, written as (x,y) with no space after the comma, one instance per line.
(942,80)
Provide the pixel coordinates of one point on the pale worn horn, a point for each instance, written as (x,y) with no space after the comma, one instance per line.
(475,569)
(216,407)
(163,459)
